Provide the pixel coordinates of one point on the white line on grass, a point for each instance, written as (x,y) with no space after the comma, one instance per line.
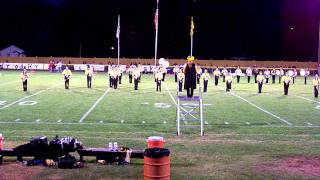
(19,100)
(203,140)
(263,110)
(306,99)
(17,120)
(156,132)
(165,86)
(94,105)
(137,124)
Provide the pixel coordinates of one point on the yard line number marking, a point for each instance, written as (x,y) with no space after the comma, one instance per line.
(19,100)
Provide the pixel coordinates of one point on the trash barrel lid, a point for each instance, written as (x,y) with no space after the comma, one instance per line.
(156,152)
(155,138)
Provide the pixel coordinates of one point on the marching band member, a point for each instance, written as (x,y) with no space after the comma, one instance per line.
(267,75)
(136,77)
(115,77)
(199,72)
(205,76)
(286,82)
(238,74)
(175,72)
(190,76)
(273,74)
(281,74)
(294,75)
(24,77)
(229,79)
(260,79)
(255,73)
(316,85)
(89,73)
(180,77)
(130,71)
(158,79)
(140,69)
(307,73)
(216,74)
(224,74)
(119,72)
(67,75)
(249,73)
(110,72)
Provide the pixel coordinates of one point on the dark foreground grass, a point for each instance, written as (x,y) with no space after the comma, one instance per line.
(241,133)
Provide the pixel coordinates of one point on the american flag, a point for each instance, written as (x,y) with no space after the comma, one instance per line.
(118,28)
(156,17)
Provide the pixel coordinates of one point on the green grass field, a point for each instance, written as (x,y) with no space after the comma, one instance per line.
(243,128)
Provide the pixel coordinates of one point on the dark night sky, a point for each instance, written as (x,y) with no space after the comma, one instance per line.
(259,29)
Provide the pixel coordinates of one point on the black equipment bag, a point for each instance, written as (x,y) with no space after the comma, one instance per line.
(39,140)
(67,162)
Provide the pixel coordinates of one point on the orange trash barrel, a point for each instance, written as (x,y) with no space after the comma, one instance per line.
(157,164)
(1,141)
(155,142)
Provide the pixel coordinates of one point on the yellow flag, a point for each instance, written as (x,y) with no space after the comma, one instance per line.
(192,27)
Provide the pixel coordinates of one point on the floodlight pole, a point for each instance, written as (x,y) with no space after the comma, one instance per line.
(118,40)
(156,38)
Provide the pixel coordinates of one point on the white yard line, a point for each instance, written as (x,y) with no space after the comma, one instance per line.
(81,132)
(94,105)
(175,102)
(19,100)
(306,99)
(167,89)
(263,110)
(208,140)
(136,124)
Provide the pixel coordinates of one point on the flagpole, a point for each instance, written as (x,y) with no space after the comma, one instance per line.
(156,38)
(118,31)
(191,39)
(191,36)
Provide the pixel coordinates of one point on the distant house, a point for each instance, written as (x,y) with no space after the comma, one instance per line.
(12,51)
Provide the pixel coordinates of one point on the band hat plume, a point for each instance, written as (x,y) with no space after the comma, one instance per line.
(190,58)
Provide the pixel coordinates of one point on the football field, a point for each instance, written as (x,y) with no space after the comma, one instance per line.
(243,129)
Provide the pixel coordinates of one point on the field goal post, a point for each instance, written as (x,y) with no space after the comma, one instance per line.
(189,112)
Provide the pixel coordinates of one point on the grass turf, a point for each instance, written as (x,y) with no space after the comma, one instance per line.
(243,128)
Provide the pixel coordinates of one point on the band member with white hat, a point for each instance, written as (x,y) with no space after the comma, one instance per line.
(216,74)
(67,75)
(286,79)
(238,74)
(205,76)
(316,85)
(24,77)
(249,73)
(229,79)
(273,74)
(260,80)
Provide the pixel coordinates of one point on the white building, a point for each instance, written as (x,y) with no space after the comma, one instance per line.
(12,51)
